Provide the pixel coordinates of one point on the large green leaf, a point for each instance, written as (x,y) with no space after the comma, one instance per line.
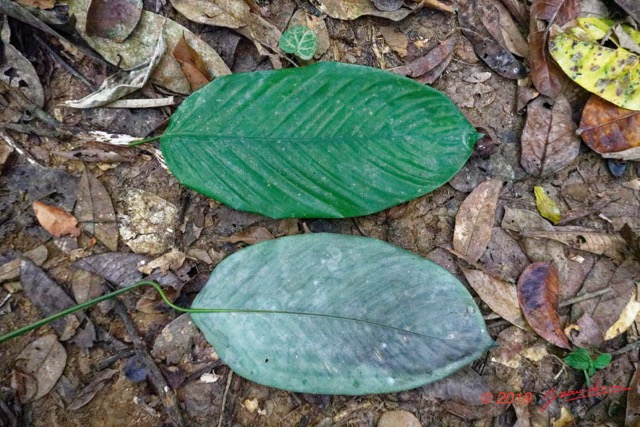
(329,140)
(326,313)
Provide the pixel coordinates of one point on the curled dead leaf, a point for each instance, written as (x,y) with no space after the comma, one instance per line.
(538,297)
(607,128)
(56,221)
(192,64)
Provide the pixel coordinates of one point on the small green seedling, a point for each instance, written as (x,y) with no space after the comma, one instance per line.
(300,41)
(581,359)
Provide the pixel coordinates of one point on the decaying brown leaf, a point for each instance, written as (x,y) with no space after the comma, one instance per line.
(352,9)
(500,296)
(429,67)
(599,243)
(38,368)
(172,260)
(88,393)
(139,47)
(632,417)
(480,24)
(538,296)
(192,65)
(123,82)
(474,220)
(513,38)
(250,236)
(388,5)
(572,267)
(17,71)
(607,310)
(50,298)
(518,9)
(607,128)
(56,221)
(632,7)
(95,210)
(625,320)
(547,77)
(113,19)
(234,14)
(549,142)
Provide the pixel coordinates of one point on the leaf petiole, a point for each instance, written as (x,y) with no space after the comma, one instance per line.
(143,141)
(16,333)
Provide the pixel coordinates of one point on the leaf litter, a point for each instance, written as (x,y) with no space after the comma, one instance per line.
(573,263)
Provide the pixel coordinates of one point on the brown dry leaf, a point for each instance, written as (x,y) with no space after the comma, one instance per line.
(500,296)
(249,236)
(547,77)
(140,46)
(632,7)
(428,68)
(474,220)
(11,269)
(549,142)
(40,365)
(607,128)
(113,19)
(39,4)
(170,261)
(234,14)
(89,392)
(396,40)
(538,296)
(605,310)
(95,210)
(17,71)
(388,5)
(626,319)
(632,417)
(518,9)
(480,24)
(573,268)
(513,38)
(352,9)
(192,65)
(50,298)
(176,340)
(611,245)
(56,221)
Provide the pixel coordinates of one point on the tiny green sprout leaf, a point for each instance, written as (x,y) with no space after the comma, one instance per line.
(336,314)
(603,361)
(300,41)
(579,359)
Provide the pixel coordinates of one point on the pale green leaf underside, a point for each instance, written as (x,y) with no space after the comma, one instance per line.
(362,316)
(300,41)
(330,140)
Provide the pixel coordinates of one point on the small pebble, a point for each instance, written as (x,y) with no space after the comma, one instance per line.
(398,419)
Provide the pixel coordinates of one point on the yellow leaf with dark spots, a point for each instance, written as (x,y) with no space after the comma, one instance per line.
(613,74)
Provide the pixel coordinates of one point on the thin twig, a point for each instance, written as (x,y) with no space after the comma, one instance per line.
(629,347)
(584,297)
(166,394)
(224,397)
(65,64)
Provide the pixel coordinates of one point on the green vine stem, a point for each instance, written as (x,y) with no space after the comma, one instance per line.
(143,141)
(16,333)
